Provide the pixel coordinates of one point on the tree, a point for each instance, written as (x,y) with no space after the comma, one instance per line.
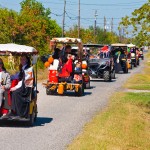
(7,25)
(35,26)
(85,34)
(32,26)
(139,23)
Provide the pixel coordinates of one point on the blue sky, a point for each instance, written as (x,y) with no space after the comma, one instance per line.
(108,8)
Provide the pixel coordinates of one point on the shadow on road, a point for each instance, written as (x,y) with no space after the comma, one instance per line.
(41,121)
(92,87)
(120,72)
(72,93)
(101,80)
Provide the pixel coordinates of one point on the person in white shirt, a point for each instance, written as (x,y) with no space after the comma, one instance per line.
(5,82)
(21,92)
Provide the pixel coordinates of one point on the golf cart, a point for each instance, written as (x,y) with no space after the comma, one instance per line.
(141,54)
(101,66)
(19,50)
(65,67)
(134,55)
(119,52)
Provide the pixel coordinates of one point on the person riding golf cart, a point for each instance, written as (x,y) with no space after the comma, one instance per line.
(141,55)
(85,58)
(20,101)
(119,52)
(65,68)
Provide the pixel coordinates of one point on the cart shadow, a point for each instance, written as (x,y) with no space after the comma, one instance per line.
(72,94)
(121,72)
(41,121)
(101,80)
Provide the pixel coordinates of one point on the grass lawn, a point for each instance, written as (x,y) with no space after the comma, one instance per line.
(125,125)
(140,81)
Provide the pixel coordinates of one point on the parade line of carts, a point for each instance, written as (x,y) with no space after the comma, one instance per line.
(71,68)
(85,62)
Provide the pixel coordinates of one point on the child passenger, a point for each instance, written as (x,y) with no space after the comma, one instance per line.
(77,73)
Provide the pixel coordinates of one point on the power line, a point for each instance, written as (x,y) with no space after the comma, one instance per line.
(100,4)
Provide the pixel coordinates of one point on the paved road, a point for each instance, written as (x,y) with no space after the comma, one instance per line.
(60,118)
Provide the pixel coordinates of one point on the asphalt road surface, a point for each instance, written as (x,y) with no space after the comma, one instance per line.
(60,118)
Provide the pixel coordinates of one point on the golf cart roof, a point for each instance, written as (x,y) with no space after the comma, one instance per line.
(66,40)
(84,48)
(119,45)
(93,45)
(16,48)
(131,45)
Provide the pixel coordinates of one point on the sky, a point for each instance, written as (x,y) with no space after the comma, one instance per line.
(115,9)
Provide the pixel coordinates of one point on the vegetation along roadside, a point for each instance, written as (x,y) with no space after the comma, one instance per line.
(124,124)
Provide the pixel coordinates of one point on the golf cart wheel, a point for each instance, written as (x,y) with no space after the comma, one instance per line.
(131,67)
(107,76)
(125,70)
(87,86)
(49,92)
(138,62)
(135,65)
(80,91)
(113,75)
(32,117)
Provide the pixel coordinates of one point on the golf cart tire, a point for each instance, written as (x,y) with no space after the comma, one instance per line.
(49,92)
(135,65)
(32,117)
(113,75)
(87,86)
(80,91)
(107,76)
(125,70)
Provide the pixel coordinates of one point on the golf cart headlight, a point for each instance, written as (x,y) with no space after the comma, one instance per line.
(107,62)
(102,63)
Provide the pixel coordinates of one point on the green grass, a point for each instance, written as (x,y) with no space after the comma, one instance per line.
(140,81)
(124,125)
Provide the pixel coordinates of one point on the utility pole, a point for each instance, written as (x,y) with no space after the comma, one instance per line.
(63,22)
(95,22)
(123,34)
(104,24)
(112,24)
(120,38)
(79,21)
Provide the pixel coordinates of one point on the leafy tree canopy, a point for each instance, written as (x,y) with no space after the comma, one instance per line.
(31,26)
(139,23)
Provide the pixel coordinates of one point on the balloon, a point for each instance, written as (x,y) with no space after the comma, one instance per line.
(46,64)
(50,59)
(84,66)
